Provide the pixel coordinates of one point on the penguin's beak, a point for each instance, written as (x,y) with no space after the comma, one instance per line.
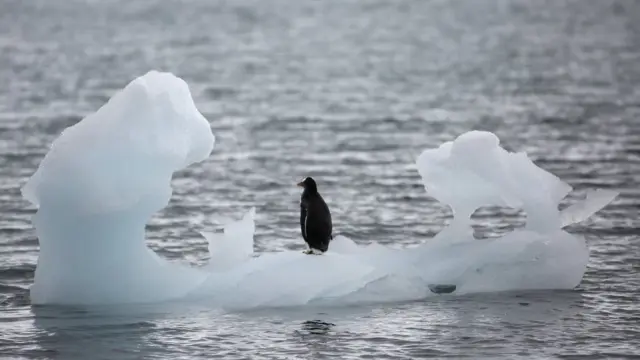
(301,184)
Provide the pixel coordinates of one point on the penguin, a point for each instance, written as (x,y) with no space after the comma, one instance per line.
(315,218)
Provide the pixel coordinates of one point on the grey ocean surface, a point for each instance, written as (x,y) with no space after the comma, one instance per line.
(349,92)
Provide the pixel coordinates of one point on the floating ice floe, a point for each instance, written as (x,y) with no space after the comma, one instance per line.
(105,176)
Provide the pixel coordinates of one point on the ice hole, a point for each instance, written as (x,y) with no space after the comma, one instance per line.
(490,222)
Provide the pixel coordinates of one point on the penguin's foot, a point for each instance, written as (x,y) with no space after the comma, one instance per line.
(313,252)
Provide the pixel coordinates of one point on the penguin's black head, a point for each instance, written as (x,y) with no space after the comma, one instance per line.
(308,184)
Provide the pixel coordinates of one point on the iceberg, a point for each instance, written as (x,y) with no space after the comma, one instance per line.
(105,176)
(100,183)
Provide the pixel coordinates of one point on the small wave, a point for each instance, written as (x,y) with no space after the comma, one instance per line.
(20,272)
(13,295)
(11,289)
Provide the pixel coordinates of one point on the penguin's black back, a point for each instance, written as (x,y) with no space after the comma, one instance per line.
(315,219)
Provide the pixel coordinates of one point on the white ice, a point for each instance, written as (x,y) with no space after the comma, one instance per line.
(106,176)
(100,183)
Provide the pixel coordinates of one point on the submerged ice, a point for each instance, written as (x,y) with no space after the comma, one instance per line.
(104,178)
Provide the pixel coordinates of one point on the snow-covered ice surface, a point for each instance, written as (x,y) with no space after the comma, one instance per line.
(106,176)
